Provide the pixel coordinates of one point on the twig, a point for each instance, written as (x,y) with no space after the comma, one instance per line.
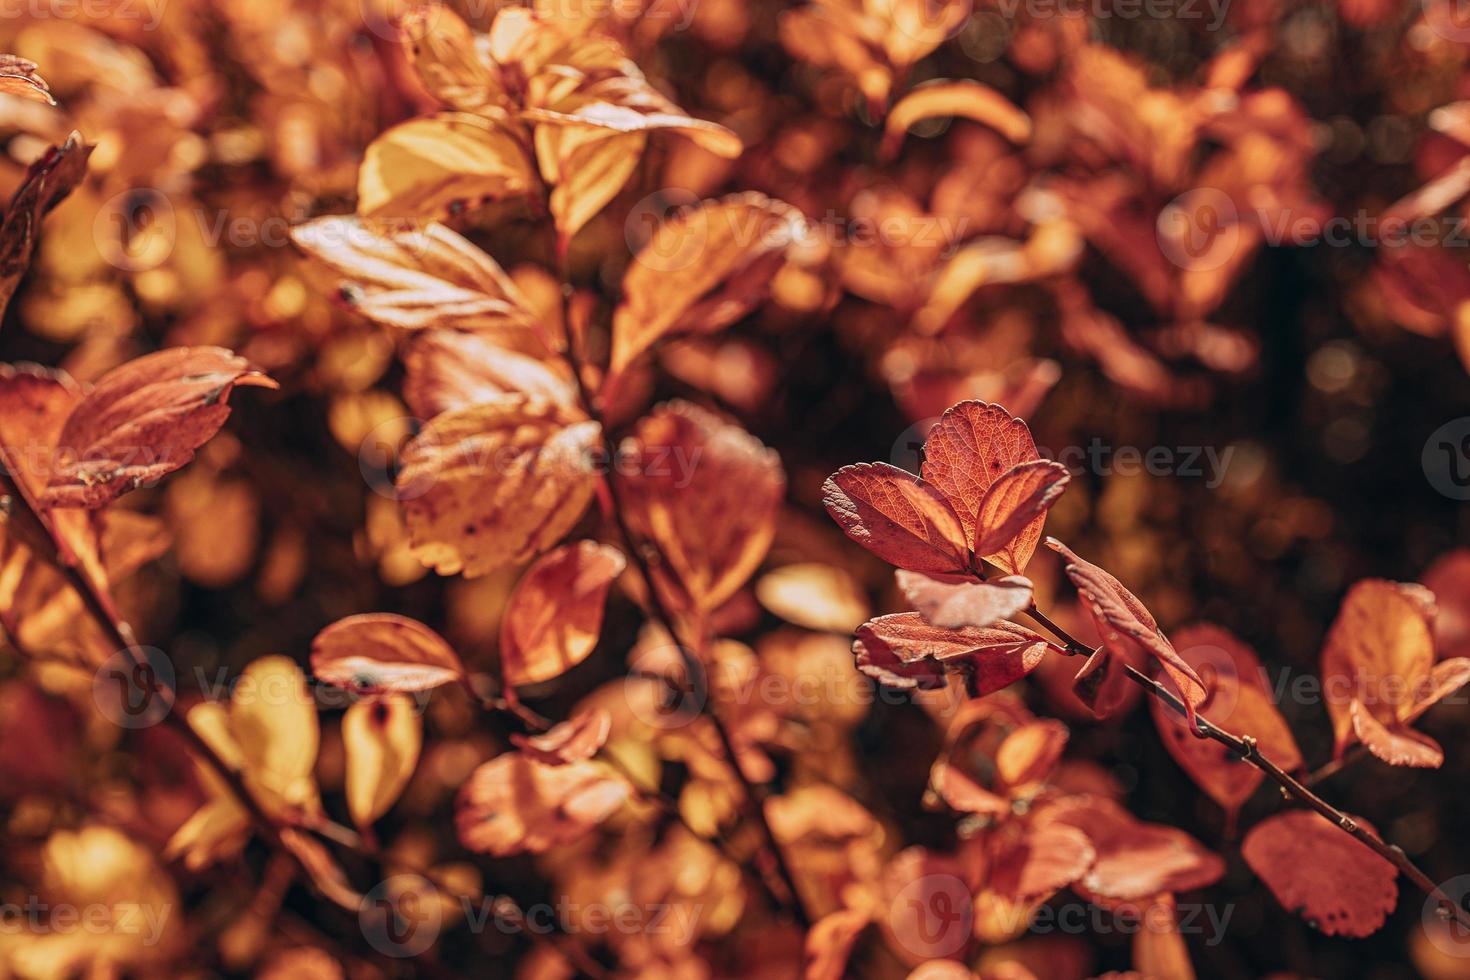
(1248,750)
(755,794)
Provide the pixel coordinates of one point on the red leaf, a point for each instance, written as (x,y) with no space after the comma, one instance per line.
(1399,745)
(143,421)
(1048,858)
(1126,625)
(1316,870)
(905,645)
(956,601)
(1134,859)
(554,617)
(971,446)
(897,517)
(1013,512)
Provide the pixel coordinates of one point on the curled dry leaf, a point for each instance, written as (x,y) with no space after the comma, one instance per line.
(514,804)
(962,97)
(903,650)
(441,166)
(705,493)
(380,652)
(495,484)
(411,275)
(48,181)
(1127,627)
(829,943)
(381,738)
(1314,869)
(1135,860)
(553,619)
(20,77)
(702,270)
(1238,699)
(954,601)
(578,738)
(143,421)
(814,595)
(1380,675)
(447,370)
(897,516)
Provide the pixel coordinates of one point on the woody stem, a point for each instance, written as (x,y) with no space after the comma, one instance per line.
(755,794)
(1248,750)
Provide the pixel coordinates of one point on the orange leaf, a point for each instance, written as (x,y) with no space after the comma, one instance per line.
(902,649)
(1238,699)
(439,166)
(495,484)
(143,421)
(374,652)
(1380,653)
(971,447)
(514,804)
(1126,625)
(1315,869)
(1048,858)
(446,370)
(578,738)
(381,739)
(830,942)
(705,493)
(555,614)
(953,601)
(46,183)
(1134,859)
(1013,512)
(897,516)
(412,276)
(702,270)
(1028,755)
(961,97)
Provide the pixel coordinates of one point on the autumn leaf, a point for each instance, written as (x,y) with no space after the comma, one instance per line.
(1039,863)
(555,614)
(1009,520)
(381,652)
(815,596)
(144,420)
(1127,627)
(446,57)
(578,738)
(702,270)
(514,804)
(1159,949)
(1335,882)
(440,166)
(1238,699)
(411,275)
(1380,675)
(381,738)
(495,484)
(1135,860)
(20,77)
(705,493)
(954,601)
(829,943)
(47,182)
(902,649)
(970,448)
(962,97)
(898,517)
(447,370)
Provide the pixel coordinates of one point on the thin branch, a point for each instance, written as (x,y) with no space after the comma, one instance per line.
(755,794)
(1248,750)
